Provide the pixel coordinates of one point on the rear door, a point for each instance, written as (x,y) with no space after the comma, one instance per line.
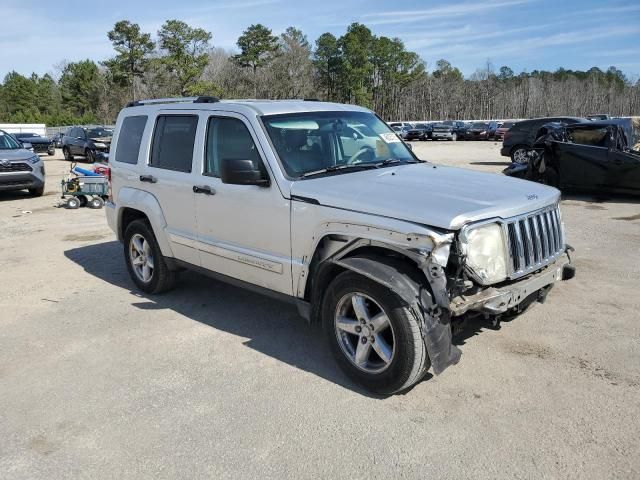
(243,230)
(168,174)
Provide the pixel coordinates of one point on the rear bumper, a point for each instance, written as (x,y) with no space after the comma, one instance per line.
(505,151)
(497,300)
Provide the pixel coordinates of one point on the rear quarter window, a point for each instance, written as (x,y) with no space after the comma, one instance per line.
(129,139)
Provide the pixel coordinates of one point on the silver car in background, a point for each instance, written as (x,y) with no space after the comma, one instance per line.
(20,168)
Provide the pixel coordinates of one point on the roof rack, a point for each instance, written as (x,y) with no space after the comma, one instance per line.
(153,101)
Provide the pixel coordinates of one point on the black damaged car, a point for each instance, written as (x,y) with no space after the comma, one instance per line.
(600,156)
(39,144)
(92,143)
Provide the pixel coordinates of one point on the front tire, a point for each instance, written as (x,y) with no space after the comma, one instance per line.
(36,192)
(373,334)
(520,155)
(90,156)
(145,262)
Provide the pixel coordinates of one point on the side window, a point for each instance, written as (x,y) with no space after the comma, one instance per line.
(596,137)
(228,139)
(173,140)
(129,139)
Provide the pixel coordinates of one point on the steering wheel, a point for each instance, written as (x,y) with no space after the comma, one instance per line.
(355,158)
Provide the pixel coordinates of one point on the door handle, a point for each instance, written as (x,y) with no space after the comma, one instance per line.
(207,190)
(148,178)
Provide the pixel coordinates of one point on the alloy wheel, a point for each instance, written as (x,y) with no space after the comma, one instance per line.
(141,257)
(364,332)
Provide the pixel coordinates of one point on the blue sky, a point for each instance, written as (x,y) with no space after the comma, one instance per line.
(524,34)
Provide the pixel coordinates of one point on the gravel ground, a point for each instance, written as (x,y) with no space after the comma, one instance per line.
(99,381)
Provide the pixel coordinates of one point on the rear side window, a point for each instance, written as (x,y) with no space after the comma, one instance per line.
(129,139)
(173,140)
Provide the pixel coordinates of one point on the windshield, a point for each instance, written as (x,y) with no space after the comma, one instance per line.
(7,142)
(484,126)
(26,135)
(99,132)
(507,125)
(307,142)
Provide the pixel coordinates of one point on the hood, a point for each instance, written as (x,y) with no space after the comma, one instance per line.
(15,155)
(33,140)
(438,196)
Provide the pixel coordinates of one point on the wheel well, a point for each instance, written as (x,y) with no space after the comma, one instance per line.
(129,215)
(322,272)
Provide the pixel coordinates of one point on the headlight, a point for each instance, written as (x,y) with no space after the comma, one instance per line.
(34,159)
(485,252)
(100,145)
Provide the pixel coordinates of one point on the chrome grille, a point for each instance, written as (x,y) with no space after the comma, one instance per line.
(534,240)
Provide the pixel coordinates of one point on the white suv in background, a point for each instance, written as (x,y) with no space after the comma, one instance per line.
(323,205)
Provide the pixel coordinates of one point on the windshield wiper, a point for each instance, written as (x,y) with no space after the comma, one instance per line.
(393,161)
(335,168)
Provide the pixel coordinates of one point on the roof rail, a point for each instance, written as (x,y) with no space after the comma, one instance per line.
(153,101)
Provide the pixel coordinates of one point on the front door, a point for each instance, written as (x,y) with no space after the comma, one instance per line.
(243,230)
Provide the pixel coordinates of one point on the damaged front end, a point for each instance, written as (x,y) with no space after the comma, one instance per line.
(422,285)
(439,277)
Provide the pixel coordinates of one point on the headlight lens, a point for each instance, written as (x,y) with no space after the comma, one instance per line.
(100,145)
(486,254)
(34,159)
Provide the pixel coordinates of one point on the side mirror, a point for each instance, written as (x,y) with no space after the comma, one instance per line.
(242,172)
(408,145)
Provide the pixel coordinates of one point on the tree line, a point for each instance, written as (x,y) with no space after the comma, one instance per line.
(358,67)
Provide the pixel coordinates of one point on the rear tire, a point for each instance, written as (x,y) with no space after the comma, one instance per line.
(67,154)
(140,245)
(408,361)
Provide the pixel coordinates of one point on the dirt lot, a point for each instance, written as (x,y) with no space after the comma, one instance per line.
(99,381)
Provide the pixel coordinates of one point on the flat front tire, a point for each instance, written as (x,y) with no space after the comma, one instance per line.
(145,262)
(373,334)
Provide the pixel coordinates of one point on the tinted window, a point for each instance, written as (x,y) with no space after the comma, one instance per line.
(130,138)
(173,141)
(228,139)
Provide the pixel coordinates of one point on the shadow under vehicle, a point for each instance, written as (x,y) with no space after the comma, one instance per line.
(600,156)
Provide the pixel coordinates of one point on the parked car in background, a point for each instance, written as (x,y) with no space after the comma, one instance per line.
(502,129)
(401,131)
(421,131)
(598,116)
(92,143)
(477,131)
(39,144)
(493,128)
(20,169)
(449,130)
(602,156)
(57,139)
(517,142)
(401,124)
